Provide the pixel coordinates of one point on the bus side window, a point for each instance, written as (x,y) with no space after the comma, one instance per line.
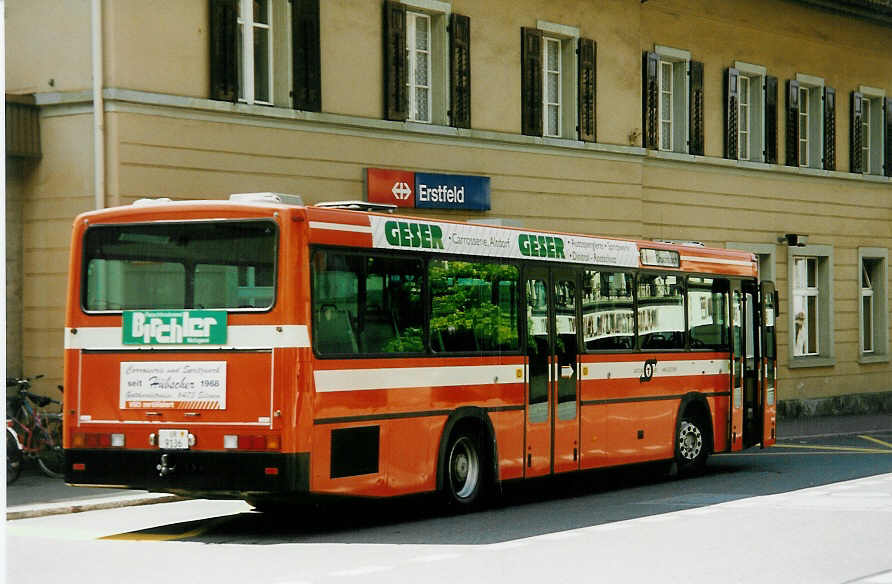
(708,313)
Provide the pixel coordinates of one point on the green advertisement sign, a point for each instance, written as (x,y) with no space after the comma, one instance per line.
(174,327)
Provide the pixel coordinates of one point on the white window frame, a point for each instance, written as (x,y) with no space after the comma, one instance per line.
(550,43)
(803,293)
(755,131)
(438,72)
(680,90)
(666,143)
(813,89)
(872,143)
(744,117)
(822,354)
(414,54)
(873,266)
(247,27)
(568,37)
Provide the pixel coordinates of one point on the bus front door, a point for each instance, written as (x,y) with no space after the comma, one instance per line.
(746,367)
(552,417)
(769,363)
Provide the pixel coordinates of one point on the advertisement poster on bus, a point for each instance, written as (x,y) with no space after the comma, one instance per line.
(194,385)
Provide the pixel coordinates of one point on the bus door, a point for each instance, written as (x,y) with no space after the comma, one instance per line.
(552,420)
(746,393)
(769,362)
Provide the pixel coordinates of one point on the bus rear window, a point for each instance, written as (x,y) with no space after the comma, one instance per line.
(218,264)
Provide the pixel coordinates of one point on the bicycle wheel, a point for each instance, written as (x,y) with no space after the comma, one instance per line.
(13,459)
(50,456)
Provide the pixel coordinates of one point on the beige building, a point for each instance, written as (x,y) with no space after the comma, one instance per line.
(731,122)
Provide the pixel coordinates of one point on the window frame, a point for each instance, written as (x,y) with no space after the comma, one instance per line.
(813,87)
(245,49)
(568,39)
(823,255)
(413,51)
(755,75)
(874,261)
(680,130)
(872,137)
(439,87)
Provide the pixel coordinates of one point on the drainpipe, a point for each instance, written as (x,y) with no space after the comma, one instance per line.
(98,109)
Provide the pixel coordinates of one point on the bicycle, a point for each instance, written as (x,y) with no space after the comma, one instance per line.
(14,457)
(39,431)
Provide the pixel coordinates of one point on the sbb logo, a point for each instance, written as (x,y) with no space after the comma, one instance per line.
(393,187)
(401,191)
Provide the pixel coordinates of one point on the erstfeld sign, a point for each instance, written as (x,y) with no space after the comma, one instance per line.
(427,190)
(174,327)
(479,240)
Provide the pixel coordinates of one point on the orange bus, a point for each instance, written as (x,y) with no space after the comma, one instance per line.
(261,349)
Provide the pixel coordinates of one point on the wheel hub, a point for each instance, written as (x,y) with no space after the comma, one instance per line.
(690,441)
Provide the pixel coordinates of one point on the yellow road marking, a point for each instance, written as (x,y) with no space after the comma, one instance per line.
(137,536)
(877,440)
(835,448)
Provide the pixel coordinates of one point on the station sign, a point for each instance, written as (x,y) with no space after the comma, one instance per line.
(422,190)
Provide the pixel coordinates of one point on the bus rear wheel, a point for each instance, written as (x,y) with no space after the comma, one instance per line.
(465,479)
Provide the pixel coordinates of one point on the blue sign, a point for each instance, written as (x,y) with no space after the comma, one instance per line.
(451,191)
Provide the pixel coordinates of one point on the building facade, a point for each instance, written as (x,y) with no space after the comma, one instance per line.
(763,125)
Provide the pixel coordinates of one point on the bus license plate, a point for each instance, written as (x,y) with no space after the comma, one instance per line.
(173,439)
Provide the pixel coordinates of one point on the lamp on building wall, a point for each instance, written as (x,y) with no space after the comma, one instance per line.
(793,239)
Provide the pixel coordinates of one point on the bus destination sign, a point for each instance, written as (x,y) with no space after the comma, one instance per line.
(480,240)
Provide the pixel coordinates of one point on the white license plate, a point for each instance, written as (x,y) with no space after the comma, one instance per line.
(173,439)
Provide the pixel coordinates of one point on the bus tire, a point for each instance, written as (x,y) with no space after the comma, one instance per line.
(465,479)
(691,447)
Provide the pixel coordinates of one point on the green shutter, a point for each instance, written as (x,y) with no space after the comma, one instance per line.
(695,105)
(887,128)
(306,59)
(792,123)
(460,70)
(587,98)
(531,81)
(856,142)
(223,28)
(732,112)
(770,151)
(829,128)
(396,72)
(650,97)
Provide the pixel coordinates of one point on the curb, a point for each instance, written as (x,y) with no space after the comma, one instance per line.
(78,506)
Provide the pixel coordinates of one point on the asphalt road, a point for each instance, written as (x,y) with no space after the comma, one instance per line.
(815,510)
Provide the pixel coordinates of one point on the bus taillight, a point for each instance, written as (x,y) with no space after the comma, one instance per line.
(251,442)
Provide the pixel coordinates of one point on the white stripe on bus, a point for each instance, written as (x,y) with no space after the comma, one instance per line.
(268,336)
(635,369)
(341,227)
(717,261)
(403,377)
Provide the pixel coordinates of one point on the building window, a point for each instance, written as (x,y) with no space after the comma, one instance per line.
(427,63)
(551,89)
(867,124)
(806,303)
(266,52)
(557,82)
(749,101)
(811,305)
(255,52)
(418,51)
(811,123)
(673,101)
(873,307)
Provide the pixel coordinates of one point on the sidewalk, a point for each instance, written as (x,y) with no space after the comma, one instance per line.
(35,495)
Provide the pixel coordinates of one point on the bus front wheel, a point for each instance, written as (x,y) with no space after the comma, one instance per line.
(691,449)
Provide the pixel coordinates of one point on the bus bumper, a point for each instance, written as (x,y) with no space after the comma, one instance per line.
(189,472)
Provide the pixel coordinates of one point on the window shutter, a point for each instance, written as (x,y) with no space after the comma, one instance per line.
(732,111)
(792,123)
(856,164)
(887,128)
(829,128)
(531,81)
(650,97)
(223,29)
(396,73)
(695,103)
(770,119)
(460,70)
(306,60)
(588,63)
